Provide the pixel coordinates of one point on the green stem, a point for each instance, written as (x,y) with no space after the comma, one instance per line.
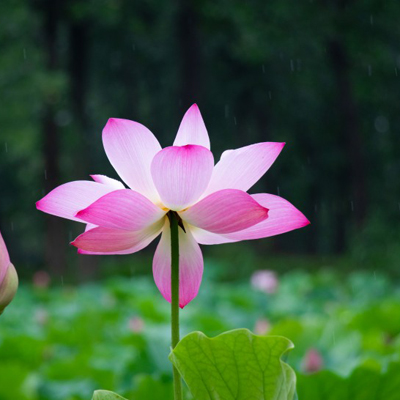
(175,298)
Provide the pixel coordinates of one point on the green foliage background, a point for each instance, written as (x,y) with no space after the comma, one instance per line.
(63,343)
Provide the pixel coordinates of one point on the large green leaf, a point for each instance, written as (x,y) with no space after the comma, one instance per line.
(106,395)
(236,365)
(365,383)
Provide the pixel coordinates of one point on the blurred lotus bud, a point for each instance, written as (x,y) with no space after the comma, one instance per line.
(136,324)
(41,316)
(313,361)
(265,281)
(8,277)
(262,327)
(41,279)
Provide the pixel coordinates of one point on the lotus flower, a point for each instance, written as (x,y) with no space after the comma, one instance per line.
(264,280)
(8,277)
(210,200)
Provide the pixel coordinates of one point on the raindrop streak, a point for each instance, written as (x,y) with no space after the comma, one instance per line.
(263,69)
(6,146)
(226,111)
(45,174)
(395,71)
(270,95)
(292,65)
(234,120)
(12,225)
(369,70)
(371,19)
(277,189)
(24,52)
(352,206)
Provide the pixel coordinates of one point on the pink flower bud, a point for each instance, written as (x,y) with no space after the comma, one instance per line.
(312,361)
(265,281)
(41,316)
(136,324)
(262,326)
(41,279)
(8,277)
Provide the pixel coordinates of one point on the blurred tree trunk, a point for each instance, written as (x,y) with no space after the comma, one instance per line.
(353,199)
(78,73)
(189,53)
(78,77)
(55,248)
(351,128)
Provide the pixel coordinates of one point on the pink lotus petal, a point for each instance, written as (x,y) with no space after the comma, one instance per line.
(115,241)
(66,200)
(243,167)
(89,227)
(282,217)
(181,174)
(4,259)
(80,251)
(122,209)
(192,129)
(190,266)
(130,147)
(205,237)
(225,211)
(105,180)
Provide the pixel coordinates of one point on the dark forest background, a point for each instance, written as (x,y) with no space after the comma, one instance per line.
(321,75)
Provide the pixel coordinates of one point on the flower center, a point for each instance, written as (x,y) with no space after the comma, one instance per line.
(173,214)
